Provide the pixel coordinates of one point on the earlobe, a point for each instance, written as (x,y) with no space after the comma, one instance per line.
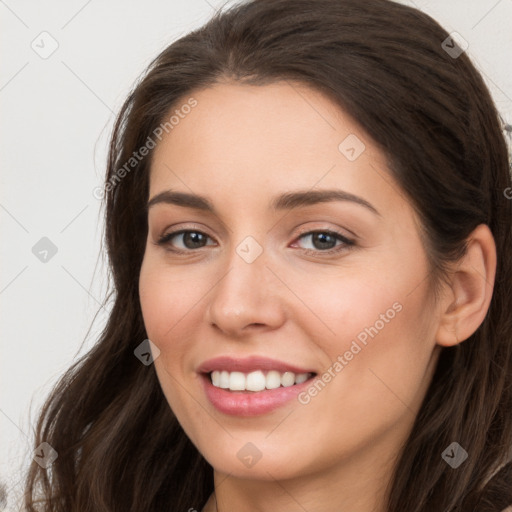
(465,305)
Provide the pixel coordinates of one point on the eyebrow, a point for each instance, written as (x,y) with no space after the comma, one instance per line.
(286,201)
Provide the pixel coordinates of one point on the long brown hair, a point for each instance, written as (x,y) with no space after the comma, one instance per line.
(119,445)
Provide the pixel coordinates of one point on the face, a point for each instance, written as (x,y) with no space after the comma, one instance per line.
(312,316)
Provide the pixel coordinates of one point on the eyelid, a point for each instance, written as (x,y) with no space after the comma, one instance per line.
(324,229)
(302,231)
(168,235)
(346,244)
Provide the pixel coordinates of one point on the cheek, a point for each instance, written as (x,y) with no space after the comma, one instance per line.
(167,302)
(384,298)
(341,307)
(377,372)
(381,360)
(375,330)
(166,299)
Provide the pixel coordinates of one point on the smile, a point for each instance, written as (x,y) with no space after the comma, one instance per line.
(256,380)
(253,385)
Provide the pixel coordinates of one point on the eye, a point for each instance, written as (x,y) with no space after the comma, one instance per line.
(325,241)
(190,239)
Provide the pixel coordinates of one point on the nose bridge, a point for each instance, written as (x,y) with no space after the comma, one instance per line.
(243,287)
(244,295)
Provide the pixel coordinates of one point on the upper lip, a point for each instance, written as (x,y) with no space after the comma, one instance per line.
(248,364)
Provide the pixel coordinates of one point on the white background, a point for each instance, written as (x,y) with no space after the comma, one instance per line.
(57,114)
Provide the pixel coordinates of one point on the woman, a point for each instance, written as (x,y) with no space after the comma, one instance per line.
(308,230)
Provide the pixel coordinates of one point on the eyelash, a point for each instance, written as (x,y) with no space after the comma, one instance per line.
(347,244)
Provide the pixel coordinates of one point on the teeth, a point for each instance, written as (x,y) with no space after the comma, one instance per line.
(257,380)
(236,381)
(223,380)
(273,380)
(300,378)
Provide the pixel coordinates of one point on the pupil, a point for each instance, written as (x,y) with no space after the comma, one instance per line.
(195,239)
(321,238)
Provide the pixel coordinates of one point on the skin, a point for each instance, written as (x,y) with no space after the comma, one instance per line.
(240,146)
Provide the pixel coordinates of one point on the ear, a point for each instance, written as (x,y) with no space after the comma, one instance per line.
(465,305)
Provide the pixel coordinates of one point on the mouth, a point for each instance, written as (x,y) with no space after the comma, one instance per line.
(251,386)
(256,381)
(253,392)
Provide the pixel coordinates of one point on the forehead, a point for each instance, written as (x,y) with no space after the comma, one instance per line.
(242,117)
(243,141)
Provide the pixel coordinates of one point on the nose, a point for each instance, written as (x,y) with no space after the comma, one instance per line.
(246,298)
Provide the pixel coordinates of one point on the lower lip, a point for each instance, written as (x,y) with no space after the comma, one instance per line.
(251,403)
